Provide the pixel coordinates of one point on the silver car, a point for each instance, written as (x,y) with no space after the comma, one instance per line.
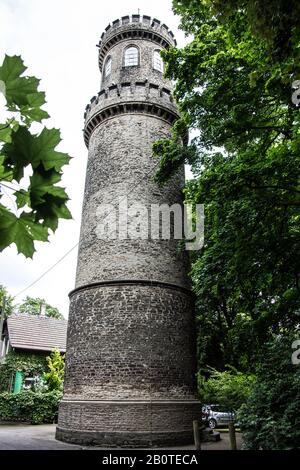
(216,415)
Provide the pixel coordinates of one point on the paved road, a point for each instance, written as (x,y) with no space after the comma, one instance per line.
(27,437)
(42,437)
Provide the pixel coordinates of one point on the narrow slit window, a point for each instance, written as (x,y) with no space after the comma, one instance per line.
(131,57)
(158,62)
(107,69)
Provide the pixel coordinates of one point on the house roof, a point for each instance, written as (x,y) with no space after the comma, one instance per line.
(36,332)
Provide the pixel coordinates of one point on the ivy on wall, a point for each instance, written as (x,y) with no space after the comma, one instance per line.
(28,363)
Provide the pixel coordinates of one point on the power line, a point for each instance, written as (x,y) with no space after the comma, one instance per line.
(12,188)
(48,270)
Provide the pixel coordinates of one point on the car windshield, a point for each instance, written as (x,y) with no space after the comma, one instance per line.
(219,409)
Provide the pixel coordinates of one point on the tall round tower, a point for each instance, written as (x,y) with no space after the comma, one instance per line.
(130,376)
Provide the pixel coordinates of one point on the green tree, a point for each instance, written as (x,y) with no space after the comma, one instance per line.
(269,419)
(229,388)
(8,308)
(54,377)
(40,204)
(32,305)
(276,21)
(235,92)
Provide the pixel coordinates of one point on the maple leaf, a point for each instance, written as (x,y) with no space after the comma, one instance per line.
(21,92)
(20,151)
(21,231)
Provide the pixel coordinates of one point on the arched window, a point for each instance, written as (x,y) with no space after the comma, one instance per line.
(107,68)
(131,56)
(158,62)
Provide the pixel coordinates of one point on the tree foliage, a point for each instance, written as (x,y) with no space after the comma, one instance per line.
(6,301)
(40,203)
(229,388)
(54,376)
(270,419)
(32,305)
(234,88)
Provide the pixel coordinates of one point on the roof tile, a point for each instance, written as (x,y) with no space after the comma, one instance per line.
(36,332)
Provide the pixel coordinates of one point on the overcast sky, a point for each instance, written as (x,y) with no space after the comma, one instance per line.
(57,39)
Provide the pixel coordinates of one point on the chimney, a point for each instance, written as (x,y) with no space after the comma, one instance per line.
(42,309)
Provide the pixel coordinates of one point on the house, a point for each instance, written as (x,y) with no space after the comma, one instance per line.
(29,339)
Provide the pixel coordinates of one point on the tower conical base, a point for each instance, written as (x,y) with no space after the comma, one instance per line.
(128,423)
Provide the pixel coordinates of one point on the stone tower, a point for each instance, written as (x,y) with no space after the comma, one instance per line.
(130,376)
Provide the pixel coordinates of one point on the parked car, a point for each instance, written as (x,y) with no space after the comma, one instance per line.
(216,415)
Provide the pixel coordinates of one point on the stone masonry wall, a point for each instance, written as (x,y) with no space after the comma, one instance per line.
(121,165)
(143,71)
(137,343)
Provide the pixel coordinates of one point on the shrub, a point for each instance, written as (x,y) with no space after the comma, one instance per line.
(230,388)
(54,376)
(28,406)
(270,420)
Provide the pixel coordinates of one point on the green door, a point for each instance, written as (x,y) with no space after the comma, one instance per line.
(18,382)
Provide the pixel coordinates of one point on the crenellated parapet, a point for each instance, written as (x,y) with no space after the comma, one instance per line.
(135,27)
(129,97)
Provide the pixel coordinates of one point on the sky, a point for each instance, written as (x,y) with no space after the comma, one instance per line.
(57,41)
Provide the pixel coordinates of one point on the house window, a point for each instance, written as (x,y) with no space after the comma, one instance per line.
(28,383)
(107,68)
(131,57)
(158,62)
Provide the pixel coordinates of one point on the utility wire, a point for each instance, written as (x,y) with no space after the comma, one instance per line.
(48,270)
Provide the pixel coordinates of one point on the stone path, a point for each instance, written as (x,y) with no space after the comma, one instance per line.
(28,437)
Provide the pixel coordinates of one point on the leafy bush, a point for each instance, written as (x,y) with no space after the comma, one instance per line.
(54,376)
(270,420)
(28,406)
(230,388)
(29,364)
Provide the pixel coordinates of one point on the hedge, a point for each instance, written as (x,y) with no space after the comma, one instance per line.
(29,406)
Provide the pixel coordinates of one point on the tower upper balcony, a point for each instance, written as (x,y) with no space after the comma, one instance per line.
(132,69)
(134,27)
